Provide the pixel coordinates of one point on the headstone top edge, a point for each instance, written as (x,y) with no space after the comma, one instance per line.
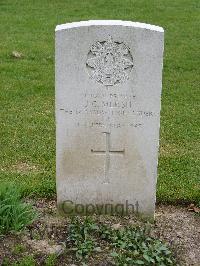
(109,23)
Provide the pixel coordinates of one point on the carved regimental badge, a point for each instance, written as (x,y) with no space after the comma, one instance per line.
(109,62)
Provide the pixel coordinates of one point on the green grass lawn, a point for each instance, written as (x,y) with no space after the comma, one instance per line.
(27,129)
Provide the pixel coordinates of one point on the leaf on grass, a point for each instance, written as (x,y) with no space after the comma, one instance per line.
(17,55)
(114,254)
(139,262)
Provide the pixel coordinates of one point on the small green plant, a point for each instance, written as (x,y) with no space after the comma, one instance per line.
(14,214)
(18,248)
(129,245)
(5,262)
(80,234)
(134,246)
(50,260)
(26,261)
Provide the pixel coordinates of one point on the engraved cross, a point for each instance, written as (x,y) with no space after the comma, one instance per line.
(107,152)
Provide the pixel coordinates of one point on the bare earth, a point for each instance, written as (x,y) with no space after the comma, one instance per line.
(181,229)
(175,225)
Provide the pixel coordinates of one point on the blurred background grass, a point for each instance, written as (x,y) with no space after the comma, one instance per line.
(27,128)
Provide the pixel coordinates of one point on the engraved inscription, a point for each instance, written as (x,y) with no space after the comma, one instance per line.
(109,62)
(115,106)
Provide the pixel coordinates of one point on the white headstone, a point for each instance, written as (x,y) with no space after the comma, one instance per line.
(108,94)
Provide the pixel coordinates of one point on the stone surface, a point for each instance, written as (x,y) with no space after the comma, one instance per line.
(108,90)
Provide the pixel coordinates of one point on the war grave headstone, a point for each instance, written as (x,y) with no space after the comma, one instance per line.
(108,100)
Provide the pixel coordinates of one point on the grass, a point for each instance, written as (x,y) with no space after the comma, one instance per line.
(27,89)
(14,214)
(30,261)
